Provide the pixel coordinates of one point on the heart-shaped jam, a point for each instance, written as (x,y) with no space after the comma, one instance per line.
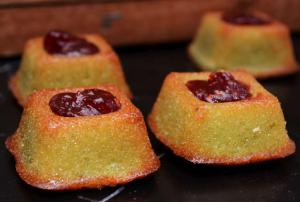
(244,19)
(88,102)
(63,43)
(220,87)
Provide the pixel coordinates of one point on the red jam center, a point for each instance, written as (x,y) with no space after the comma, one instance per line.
(84,103)
(220,87)
(244,19)
(63,43)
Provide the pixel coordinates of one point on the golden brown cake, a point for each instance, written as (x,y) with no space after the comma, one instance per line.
(81,138)
(219,118)
(62,60)
(250,41)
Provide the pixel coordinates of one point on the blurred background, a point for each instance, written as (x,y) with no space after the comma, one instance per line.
(122,22)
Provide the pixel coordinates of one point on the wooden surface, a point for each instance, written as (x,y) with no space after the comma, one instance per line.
(122,22)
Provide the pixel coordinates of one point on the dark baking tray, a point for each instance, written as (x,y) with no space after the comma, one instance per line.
(177,179)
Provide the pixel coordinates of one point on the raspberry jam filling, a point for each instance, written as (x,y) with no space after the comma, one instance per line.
(220,87)
(63,43)
(88,102)
(244,19)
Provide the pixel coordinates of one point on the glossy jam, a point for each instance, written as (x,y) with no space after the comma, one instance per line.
(244,19)
(220,87)
(88,102)
(63,43)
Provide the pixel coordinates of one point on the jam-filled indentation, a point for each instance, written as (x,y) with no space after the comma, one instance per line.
(220,87)
(66,44)
(88,102)
(245,19)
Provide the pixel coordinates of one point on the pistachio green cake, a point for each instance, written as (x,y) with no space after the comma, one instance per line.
(229,133)
(264,50)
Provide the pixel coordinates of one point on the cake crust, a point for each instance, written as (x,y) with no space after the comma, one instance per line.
(281,71)
(12,84)
(99,182)
(283,152)
(46,62)
(128,112)
(287,66)
(187,150)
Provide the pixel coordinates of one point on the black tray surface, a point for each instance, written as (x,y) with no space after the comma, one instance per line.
(177,180)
